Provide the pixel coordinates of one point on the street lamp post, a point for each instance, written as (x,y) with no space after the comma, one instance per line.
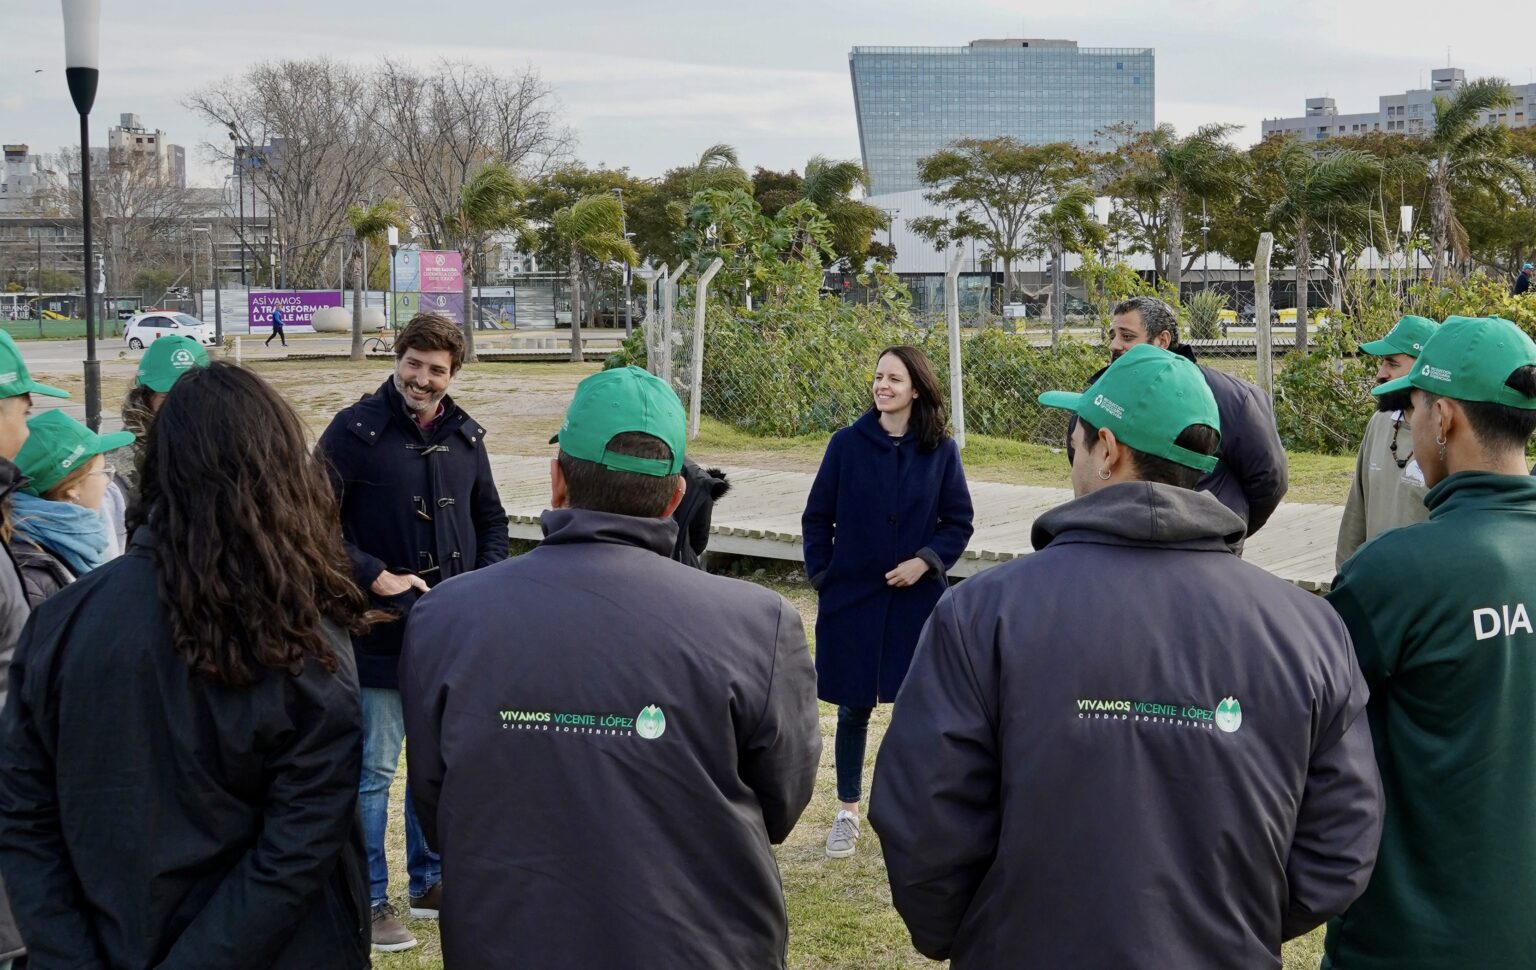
(218,302)
(394,247)
(240,191)
(82,55)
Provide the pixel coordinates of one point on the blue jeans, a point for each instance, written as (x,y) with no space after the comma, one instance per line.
(383,736)
(848,750)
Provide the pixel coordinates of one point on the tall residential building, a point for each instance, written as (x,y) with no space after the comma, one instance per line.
(26,182)
(1409,113)
(131,139)
(914,101)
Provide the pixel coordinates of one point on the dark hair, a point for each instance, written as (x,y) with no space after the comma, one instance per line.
(428,331)
(1199,438)
(247,549)
(928,419)
(1499,426)
(589,485)
(1156,316)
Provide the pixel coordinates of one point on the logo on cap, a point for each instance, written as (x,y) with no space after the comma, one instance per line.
(8,377)
(1109,406)
(182,358)
(1435,373)
(73,457)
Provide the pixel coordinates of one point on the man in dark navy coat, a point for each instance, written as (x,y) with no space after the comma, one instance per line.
(1251,474)
(418,505)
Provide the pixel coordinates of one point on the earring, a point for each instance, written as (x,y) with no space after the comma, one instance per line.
(1104,475)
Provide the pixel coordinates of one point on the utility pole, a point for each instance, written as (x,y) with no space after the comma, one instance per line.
(629,301)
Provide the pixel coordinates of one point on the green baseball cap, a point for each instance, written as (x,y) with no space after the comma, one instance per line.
(1469,359)
(613,402)
(57,445)
(15,379)
(1147,398)
(1407,336)
(167,359)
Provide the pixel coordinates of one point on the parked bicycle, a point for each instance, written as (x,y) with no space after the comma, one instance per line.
(382,343)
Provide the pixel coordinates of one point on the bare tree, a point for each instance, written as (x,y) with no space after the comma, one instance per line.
(314,152)
(138,213)
(447,125)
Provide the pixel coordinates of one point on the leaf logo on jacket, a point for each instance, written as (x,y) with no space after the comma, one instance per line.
(651,723)
(1229,715)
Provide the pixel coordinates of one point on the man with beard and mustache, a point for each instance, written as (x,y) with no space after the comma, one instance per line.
(1388,487)
(418,505)
(1251,474)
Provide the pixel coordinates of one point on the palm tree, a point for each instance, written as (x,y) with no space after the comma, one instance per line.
(1068,226)
(1462,150)
(1321,191)
(1177,170)
(367,225)
(593,228)
(829,186)
(490,202)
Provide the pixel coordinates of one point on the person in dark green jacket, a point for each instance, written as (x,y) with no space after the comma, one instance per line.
(1440,614)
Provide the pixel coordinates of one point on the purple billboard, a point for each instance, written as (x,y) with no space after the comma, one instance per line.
(450,305)
(298,307)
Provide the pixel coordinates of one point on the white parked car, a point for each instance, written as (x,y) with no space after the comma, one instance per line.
(145,328)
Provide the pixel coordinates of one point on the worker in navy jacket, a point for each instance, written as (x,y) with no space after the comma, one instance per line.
(888,515)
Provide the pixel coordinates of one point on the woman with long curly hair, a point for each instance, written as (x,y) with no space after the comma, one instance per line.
(180,754)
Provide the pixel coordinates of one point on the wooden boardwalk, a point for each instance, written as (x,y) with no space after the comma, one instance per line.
(761,517)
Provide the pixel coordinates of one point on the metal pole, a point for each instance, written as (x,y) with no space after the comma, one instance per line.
(389,311)
(240,190)
(696,388)
(92,365)
(952,320)
(218,303)
(39,287)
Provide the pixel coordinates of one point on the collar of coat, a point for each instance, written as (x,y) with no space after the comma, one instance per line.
(372,415)
(869,425)
(567,526)
(1145,514)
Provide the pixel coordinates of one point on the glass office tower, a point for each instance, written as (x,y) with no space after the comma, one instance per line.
(913,101)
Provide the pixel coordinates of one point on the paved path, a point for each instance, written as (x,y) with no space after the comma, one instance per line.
(761,517)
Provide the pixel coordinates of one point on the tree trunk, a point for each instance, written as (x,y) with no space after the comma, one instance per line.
(468,283)
(1303,283)
(575,305)
(1442,228)
(357,301)
(1175,254)
(1336,271)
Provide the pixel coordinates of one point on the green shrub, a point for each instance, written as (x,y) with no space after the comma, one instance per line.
(1204,313)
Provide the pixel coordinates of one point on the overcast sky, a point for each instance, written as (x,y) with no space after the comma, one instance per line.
(649,86)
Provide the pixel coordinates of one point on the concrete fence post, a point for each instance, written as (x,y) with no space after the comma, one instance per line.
(696,385)
(952,320)
(653,319)
(1265,347)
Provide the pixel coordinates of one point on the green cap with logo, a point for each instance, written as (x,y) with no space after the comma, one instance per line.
(1469,359)
(1147,398)
(167,359)
(15,379)
(1407,336)
(57,445)
(614,402)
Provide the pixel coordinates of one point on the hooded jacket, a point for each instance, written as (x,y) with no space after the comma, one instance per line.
(152,818)
(876,502)
(14,611)
(694,513)
(1253,474)
(411,502)
(604,745)
(42,573)
(1441,615)
(1129,748)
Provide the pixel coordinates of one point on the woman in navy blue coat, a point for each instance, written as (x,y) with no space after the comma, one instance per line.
(888,515)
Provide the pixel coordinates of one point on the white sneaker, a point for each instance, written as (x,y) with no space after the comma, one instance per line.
(844,837)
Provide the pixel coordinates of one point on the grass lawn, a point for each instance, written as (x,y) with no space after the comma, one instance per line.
(840,915)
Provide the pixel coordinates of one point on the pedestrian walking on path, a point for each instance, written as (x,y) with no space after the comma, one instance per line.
(1130,748)
(412,477)
(277,328)
(1440,615)
(887,516)
(180,751)
(604,742)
